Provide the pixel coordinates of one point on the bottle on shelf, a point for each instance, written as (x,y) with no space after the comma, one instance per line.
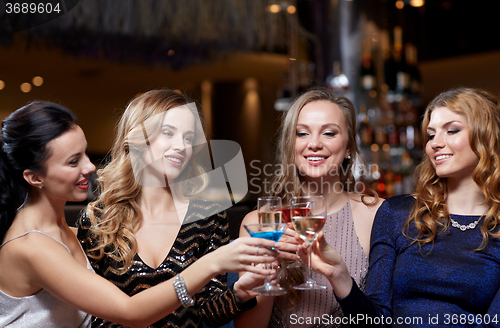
(365,130)
(389,85)
(338,81)
(414,72)
(402,74)
(367,71)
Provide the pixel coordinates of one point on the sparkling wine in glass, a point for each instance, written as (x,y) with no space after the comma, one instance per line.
(272,231)
(308,218)
(268,209)
(286,217)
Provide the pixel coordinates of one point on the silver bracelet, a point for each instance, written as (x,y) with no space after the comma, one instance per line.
(182,294)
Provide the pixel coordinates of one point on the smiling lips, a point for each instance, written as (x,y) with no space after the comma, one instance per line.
(175,160)
(441,158)
(315,160)
(83,184)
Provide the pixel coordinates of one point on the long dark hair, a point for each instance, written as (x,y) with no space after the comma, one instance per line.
(23,146)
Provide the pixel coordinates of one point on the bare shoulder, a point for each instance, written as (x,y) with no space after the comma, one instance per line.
(252,217)
(74,231)
(31,252)
(34,246)
(366,209)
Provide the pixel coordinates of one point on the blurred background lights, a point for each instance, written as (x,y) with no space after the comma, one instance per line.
(417,3)
(2,85)
(291,9)
(274,8)
(400,4)
(26,87)
(37,81)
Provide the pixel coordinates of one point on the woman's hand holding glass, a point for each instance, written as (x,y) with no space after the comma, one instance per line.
(272,231)
(241,254)
(243,288)
(308,218)
(289,246)
(269,227)
(286,217)
(327,261)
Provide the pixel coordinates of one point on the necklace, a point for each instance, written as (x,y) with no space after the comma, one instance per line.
(464,227)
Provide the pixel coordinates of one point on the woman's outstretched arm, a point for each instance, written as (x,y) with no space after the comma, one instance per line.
(51,267)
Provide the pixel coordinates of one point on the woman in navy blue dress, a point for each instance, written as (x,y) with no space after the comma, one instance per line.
(435,255)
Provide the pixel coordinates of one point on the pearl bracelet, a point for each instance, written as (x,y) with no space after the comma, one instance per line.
(182,294)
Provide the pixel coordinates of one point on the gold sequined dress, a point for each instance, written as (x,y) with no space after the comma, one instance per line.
(205,228)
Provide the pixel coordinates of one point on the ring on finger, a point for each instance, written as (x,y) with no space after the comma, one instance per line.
(256,250)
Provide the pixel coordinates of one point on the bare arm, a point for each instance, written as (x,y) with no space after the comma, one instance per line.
(51,267)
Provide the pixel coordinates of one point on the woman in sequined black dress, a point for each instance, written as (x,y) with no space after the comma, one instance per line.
(148,224)
(435,255)
(45,277)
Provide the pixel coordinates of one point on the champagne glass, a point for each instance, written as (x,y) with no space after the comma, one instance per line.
(272,231)
(268,209)
(308,218)
(286,217)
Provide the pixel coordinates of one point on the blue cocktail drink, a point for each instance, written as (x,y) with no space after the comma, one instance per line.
(271,231)
(270,235)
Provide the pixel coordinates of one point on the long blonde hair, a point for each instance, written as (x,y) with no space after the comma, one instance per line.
(430,214)
(115,214)
(288,174)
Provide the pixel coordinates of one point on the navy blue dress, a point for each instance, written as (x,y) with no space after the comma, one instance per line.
(446,284)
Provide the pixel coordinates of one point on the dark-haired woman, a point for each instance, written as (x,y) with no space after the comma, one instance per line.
(44,274)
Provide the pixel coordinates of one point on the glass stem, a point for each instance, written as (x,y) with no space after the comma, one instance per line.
(308,272)
(267,279)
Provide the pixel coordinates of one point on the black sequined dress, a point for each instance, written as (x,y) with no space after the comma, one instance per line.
(205,228)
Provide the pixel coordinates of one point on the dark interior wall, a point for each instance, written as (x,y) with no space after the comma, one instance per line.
(253,128)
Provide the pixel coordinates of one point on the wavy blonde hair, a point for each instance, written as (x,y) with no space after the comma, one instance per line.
(289,175)
(430,214)
(115,214)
